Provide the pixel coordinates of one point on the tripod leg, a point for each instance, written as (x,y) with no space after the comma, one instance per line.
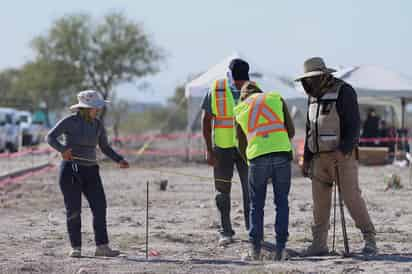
(334,218)
(342,215)
(147,220)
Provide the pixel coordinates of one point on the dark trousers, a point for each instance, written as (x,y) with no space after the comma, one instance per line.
(278,168)
(75,180)
(227,158)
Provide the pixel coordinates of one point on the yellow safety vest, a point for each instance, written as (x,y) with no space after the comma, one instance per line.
(223,104)
(262,120)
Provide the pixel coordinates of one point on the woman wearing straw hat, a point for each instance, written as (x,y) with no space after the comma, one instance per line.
(79,172)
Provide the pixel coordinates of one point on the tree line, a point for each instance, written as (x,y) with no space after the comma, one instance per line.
(80,52)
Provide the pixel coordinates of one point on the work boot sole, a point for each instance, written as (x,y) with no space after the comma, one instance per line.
(369,252)
(75,255)
(315,254)
(114,254)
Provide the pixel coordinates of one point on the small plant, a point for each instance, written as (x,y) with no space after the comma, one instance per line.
(393,181)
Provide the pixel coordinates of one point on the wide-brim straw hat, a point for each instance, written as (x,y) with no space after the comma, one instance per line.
(89,99)
(313,67)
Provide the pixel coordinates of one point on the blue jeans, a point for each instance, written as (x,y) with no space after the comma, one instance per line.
(277,167)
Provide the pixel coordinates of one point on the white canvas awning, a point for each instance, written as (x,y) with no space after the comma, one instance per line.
(371,81)
(267,81)
(376,85)
(376,81)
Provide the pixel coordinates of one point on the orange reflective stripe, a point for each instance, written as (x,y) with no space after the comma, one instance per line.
(224,122)
(217,97)
(225,99)
(266,129)
(259,108)
(221,100)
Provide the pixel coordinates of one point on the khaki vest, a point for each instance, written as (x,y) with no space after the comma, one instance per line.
(324,123)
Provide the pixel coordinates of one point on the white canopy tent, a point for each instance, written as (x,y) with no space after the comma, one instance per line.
(377,86)
(380,84)
(197,88)
(267,81)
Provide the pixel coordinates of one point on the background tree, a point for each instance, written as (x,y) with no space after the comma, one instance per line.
(178,106)
(53,82)
(108,52)
(7,79)
(119,111)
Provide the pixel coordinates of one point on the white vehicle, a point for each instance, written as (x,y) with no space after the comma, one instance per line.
(3,135)
(25,125)
(32,131)
(37,133)
(13,130)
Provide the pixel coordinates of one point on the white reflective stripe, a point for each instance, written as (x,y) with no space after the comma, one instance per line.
(330,96)
(255,111)
(224,122)
(328,137)
(265,129)
(269,114)
(249,100)
(220,96)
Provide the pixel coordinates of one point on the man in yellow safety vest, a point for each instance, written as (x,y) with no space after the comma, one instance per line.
(264,131)
(220,137)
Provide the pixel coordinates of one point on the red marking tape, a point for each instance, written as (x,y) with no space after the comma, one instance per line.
(13,180)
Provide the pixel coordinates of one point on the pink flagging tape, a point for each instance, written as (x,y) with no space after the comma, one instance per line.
(25,152)
(13,180)
(162,152)
(154,253)
(386,139)
(145,137)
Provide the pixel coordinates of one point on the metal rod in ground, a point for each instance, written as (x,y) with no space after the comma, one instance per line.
(410,173)
(342,215)
(147,220)
(334,218)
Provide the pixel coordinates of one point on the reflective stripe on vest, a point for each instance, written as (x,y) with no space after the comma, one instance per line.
(224,122)
(221,104)
(259,108)
(330,96)
(224,135)
(261,118)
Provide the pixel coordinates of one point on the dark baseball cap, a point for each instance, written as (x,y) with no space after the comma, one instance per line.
(239,69)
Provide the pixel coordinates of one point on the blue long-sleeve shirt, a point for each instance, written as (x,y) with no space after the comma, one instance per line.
(82,137)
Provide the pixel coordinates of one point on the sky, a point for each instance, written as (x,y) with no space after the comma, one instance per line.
(276,35)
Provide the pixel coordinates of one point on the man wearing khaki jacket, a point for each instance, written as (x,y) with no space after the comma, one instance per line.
(332,135)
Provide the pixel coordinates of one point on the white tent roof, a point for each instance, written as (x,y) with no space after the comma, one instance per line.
(376,85)
(268,82)
(370,80)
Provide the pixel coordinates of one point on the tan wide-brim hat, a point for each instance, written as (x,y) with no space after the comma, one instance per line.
(89,99)
(313,67)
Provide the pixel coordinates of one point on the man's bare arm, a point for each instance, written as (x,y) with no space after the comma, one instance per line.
(207,136)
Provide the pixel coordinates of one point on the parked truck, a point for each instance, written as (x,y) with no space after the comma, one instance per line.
(12,128)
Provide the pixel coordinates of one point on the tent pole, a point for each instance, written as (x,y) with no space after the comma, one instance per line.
(403,103)
(188,133)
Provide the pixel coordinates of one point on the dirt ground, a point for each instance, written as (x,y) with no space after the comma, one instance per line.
(183,224)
